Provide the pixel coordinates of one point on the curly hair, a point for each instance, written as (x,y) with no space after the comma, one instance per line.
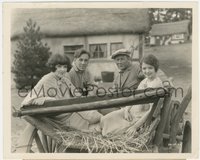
(151,60)
(56,59)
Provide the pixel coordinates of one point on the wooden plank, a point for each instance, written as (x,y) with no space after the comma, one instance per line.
(84,107)
(167,136)
(39,143)
(167,126)
(45,143)
(53,146)
(186,100)
(158,108)
(141,98)
(43,127)
(164,115)
(49,140)
(177,104)
(87,99)
(154,124)
(174,105)
(150,116)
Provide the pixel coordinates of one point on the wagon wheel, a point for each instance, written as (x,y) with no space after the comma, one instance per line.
(32,140)
(186,145)
(174,105)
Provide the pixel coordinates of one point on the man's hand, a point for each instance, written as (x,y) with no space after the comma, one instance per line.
(49,99)
(40,101)
(168,83)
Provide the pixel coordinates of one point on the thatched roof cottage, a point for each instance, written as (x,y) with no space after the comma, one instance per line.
(101,31)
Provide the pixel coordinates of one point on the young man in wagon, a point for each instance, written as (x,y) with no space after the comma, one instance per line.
(81,79)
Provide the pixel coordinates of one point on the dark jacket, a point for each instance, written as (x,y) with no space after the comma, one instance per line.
(130,78)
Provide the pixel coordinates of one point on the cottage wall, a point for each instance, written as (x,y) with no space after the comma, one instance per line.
(57,44)
(97,65)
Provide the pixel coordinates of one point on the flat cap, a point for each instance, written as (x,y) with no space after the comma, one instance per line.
(121,52)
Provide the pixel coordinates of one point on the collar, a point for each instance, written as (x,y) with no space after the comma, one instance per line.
(56,76)
(127,69)
(76,69)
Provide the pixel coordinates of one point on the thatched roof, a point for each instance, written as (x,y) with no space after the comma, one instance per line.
(170,28)
(77,22)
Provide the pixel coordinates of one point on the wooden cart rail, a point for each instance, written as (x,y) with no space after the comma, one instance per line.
(76,104)
(161,100)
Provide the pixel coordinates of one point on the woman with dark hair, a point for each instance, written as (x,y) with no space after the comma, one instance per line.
(129,119)
(50,85)
(57,85)
(56,59)
(149,65)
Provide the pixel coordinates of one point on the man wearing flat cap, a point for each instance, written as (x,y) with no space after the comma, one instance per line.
(129,77)
(129,74)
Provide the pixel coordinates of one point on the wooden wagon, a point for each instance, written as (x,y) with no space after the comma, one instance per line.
(164,121)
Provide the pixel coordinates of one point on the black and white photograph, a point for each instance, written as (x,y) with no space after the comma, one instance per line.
(101,79)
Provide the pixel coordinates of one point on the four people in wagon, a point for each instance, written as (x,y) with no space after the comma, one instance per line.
(78,77)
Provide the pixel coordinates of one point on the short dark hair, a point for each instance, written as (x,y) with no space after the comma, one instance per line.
(56,59)
(79,52)
(151,60)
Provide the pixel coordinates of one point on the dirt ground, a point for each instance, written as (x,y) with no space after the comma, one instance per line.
(17,124)
(175,61)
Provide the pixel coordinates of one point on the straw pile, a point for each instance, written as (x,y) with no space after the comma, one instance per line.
(96,143)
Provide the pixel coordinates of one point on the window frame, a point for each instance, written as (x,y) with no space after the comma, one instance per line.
(70,52)
(178,36)
(106,50)
(111,52)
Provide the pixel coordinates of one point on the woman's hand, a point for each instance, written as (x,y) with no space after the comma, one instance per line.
(131,130)
(127,115)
